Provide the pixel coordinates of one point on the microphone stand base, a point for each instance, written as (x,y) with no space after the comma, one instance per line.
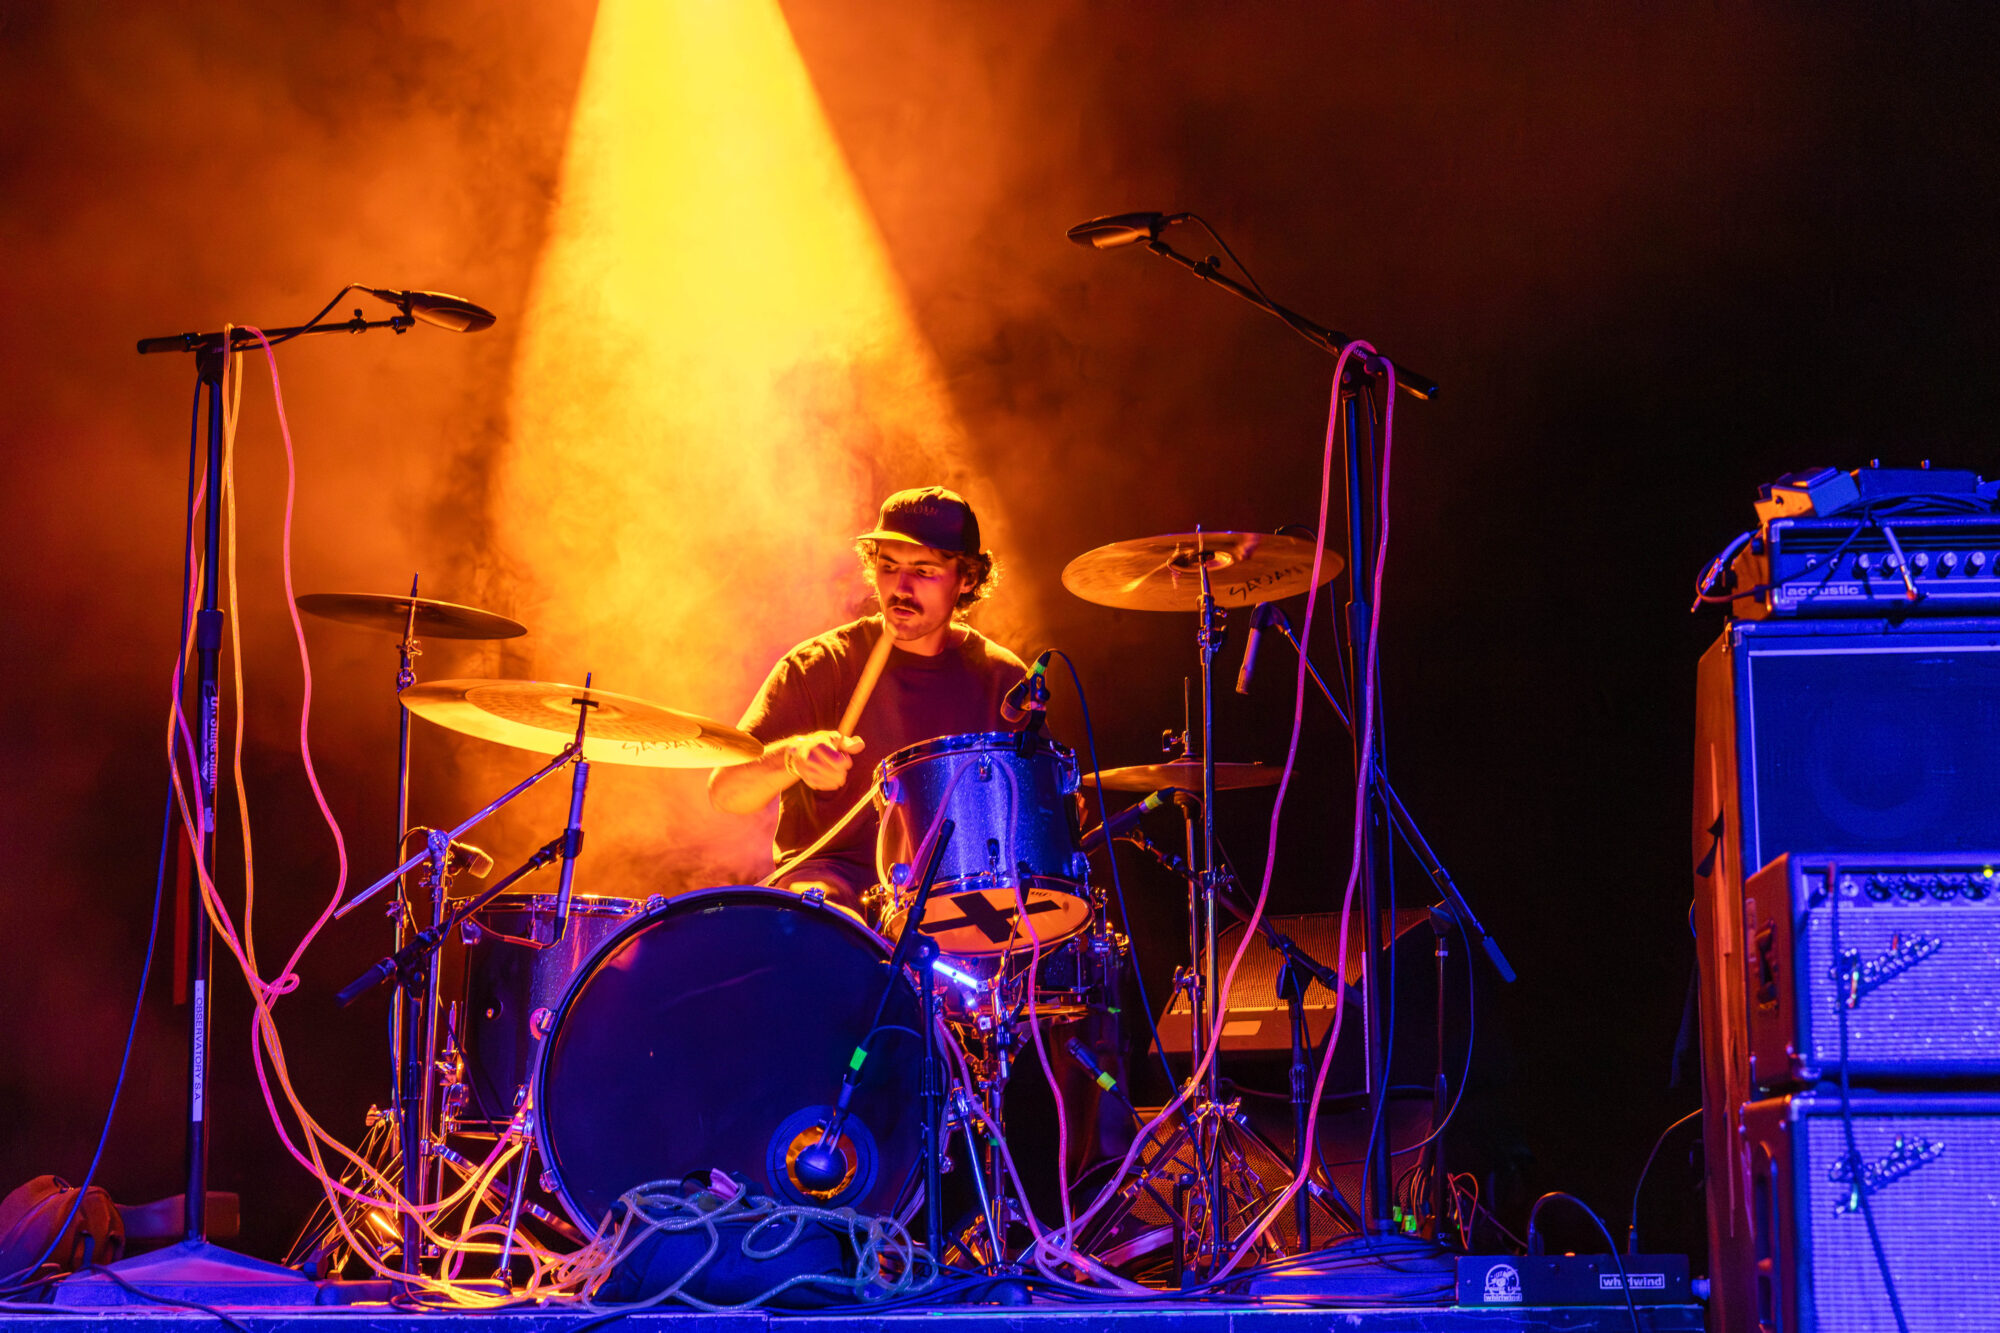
(194,1270)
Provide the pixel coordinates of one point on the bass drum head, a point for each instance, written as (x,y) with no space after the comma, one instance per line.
(713,1032)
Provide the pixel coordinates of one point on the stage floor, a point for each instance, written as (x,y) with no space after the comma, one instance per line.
(1193,1317)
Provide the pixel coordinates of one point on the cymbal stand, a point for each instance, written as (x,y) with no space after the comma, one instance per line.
(410,1077)
(1203,979)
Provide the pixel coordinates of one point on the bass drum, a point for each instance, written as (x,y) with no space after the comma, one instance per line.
(713,1032)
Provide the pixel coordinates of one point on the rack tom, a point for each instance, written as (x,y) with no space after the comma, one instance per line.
(1013,841)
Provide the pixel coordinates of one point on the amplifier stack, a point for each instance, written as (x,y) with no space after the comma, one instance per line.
(1847,895)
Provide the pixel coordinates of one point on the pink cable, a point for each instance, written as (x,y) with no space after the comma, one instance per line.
(1284,783)
(305,668)
(1364,781)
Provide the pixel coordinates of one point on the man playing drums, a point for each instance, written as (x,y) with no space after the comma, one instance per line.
(942,678)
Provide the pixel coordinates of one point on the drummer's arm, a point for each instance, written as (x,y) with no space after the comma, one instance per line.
(821,759)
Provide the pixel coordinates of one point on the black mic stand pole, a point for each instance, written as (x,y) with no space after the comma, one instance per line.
(1362,525)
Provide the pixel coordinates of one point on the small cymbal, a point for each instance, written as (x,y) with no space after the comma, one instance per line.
(435,619)
(1184,774)
(1164,573)
(540,716)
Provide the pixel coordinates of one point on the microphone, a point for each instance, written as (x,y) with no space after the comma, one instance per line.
(439,308)
(1081,1055)
(1031,695)
(820,1166)
(462,856)
(1118,824)
(1266,615)
(1108,233)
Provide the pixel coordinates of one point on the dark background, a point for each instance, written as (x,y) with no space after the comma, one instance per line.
(1655,255)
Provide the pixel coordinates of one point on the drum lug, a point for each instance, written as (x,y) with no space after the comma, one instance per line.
(983,768)
(892,791)
(814,896)
(654,902)
(1079,866)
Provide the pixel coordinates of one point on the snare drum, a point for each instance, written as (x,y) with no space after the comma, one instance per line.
(514,979)
(1007,796)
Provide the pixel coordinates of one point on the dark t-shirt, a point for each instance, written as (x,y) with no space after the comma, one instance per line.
(918,699)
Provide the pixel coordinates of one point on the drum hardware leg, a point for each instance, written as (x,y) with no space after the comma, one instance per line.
(1292,983)
(1183,1232)
(523,1125)
(933,1083)
(1441,925)
(408,1016)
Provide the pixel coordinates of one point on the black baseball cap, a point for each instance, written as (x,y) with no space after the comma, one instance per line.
(928,516)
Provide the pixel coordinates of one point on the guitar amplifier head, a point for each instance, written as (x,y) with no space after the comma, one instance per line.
(1930,1165)
(1917,973)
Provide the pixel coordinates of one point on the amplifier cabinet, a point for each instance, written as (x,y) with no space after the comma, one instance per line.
(1917,973)
(1931,1166)
(1872,737)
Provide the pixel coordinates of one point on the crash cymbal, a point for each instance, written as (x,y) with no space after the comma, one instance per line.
(541,716)
(435,619)
(1184,774)
(1164,573)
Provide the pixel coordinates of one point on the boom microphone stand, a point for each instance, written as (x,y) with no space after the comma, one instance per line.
(1355,390)
(196,1269)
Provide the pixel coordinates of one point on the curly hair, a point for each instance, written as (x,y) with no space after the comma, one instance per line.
(983,569)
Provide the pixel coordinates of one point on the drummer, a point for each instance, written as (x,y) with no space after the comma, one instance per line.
(943,678)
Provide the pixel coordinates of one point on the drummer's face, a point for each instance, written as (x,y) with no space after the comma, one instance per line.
(918,586)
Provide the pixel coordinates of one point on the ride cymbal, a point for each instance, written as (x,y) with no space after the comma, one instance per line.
(391,611)
(1164,573)
(1184,774)
(540,716)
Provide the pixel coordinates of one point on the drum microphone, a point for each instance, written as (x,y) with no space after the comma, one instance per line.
(1121,823)
(460,857)
(1108,233)
(439,308)
(1081,1054)
(1266,615)
(1031,695)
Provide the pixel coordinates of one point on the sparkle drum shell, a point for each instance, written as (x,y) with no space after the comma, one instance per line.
(713,1032)
(1008,797)
(514,979)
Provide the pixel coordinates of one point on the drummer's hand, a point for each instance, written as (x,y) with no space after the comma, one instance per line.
(821,759)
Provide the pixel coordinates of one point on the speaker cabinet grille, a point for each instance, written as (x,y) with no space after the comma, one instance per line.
(1931,1164)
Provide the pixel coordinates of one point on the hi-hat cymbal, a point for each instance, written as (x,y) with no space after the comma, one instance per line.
(390,611)
(1184,774)
(1164,573)
(541,716)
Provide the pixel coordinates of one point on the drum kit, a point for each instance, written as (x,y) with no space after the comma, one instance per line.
(766,1033)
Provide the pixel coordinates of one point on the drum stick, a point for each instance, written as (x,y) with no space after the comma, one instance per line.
(871,672)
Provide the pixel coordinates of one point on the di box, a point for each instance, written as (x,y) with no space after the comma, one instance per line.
(1915,977)
(1929,1166)
(1571,1279)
